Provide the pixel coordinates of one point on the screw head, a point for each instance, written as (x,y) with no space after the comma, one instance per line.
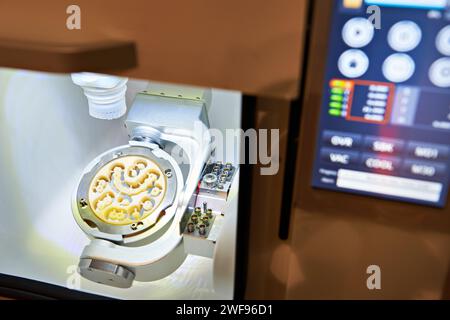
(136,225)
(83,203)
(190,227)
(168,173)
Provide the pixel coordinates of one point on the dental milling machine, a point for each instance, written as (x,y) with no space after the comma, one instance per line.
(148,204)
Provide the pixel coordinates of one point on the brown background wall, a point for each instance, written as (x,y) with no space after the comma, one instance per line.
(268,255)
(251,46)
(335,236)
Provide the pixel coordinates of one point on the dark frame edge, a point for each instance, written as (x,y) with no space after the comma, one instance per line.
(244,203)
(295,114)
(23,288)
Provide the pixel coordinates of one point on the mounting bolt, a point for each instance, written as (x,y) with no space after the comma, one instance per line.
(202,229)
(210,179)
(168,173)
(190,227)
(83,203)
(136,225)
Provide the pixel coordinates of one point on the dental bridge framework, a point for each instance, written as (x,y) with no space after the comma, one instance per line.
(127,190)
(135,201)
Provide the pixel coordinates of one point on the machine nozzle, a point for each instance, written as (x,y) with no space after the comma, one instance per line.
(105,94)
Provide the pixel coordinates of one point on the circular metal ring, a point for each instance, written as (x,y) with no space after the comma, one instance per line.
(91,219)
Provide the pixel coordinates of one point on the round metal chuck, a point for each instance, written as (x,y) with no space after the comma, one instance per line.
(106,273)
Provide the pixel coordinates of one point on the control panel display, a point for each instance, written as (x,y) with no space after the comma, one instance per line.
(385,115)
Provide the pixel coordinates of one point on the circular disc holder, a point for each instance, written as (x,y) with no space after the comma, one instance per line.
(125,191)
(132,199)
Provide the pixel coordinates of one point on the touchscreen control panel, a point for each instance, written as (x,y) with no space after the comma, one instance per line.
(385,115)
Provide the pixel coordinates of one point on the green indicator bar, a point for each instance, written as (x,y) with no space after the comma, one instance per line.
(334,112)
(336,97)
(336,105)
(337,91)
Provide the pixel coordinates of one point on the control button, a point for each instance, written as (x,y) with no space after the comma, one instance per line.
(428,151)
(381,163)
(383,145)
(440,73)
(443,41)
(425,169)
(353,63)
(357,32)
(339,157)
(398,67)
(404,36)
(342,139)
(388,185)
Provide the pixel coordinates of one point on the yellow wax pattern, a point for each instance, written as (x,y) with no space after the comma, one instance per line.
(127,190)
